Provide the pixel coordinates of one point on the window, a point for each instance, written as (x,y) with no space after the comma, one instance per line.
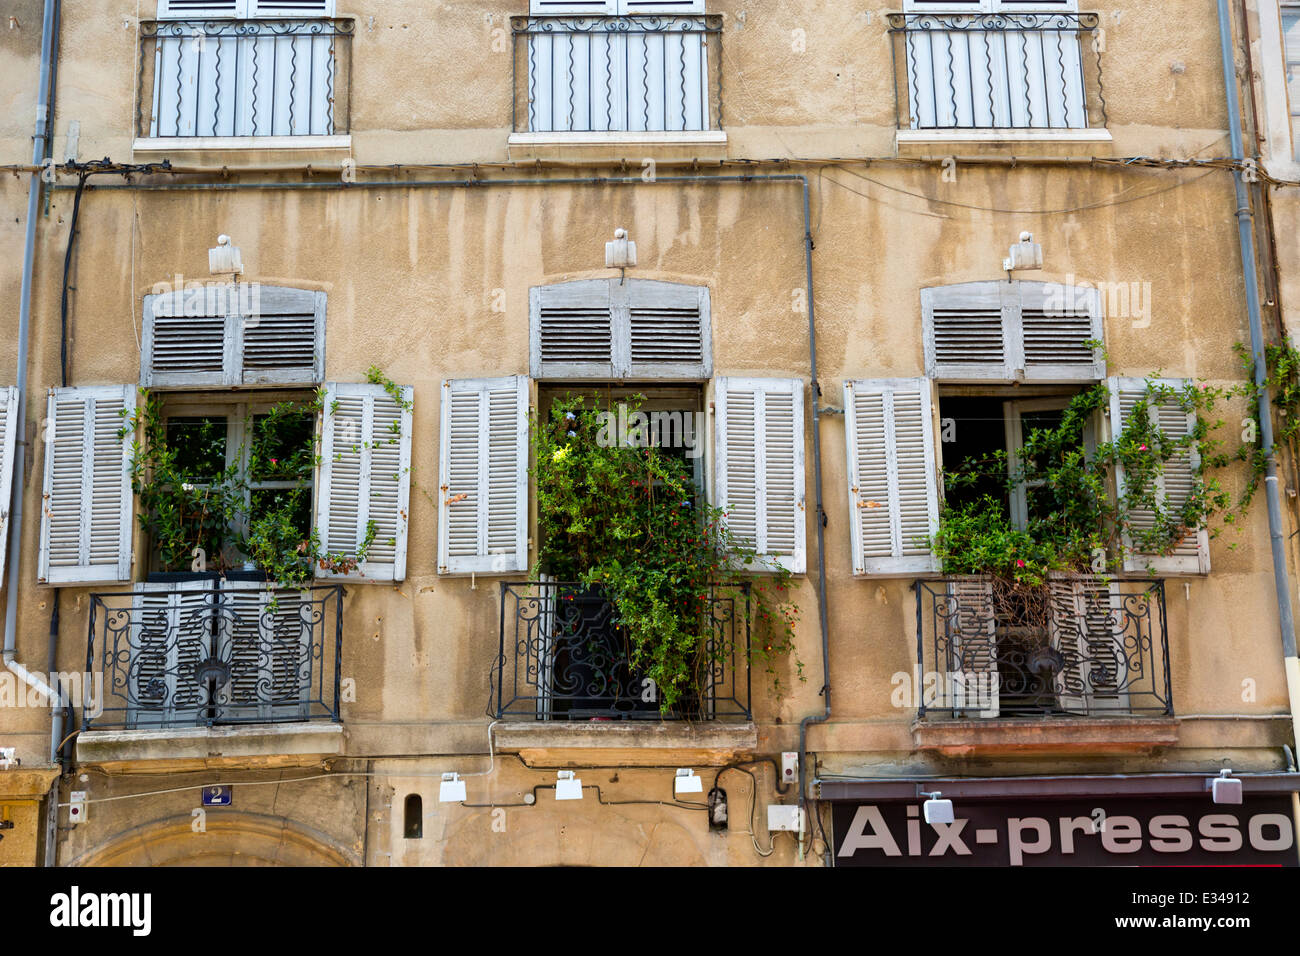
(602,66)
(1291,42)
(236,68)
(413,817)
(992,64)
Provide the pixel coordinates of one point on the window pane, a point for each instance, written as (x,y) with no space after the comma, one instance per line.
(282,447)
(295,501)
(199,443)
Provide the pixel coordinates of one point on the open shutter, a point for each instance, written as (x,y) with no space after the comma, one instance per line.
(969,331)
(760,466)
(1056,323)
(483,479)
(9,427)
(970,623)
(265,636)
(365,476)
(170,633)
(893,481)
(668,329)
(86,503)
(1174,485)
(245,334)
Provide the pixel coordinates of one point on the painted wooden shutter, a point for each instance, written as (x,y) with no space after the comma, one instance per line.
(969,331)
(365,476)
(971,625)
(760,466)
(483,483)
(668,329)
(86,504)
(291,8)
(608,329)
(1056,323)
(201,9)
(1087,628)
(244,335)
(572,330)
(594,8)
(265,635)
(644,7)
(170,632)
(9,427)
(1175,484)
(893,481)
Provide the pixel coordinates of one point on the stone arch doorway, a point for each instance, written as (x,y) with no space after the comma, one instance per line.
(230,839)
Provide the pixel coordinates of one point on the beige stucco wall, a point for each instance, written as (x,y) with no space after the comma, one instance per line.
(412,276)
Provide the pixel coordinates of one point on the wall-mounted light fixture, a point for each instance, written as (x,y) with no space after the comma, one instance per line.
(452,789)
(937,810)
(225,260)
(1026,254)
(687,782)
(1225,788)
(567,786)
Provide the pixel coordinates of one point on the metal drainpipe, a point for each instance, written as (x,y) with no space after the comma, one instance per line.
(24,323)
(1246,233)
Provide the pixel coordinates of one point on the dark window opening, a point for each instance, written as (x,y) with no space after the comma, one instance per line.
(414,817)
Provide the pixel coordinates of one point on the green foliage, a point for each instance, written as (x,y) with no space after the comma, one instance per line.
(630,521)
(1076,525)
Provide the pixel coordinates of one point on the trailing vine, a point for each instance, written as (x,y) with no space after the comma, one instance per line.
(626,517)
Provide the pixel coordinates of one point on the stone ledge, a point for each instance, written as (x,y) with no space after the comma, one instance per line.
(1106,735)
(204,748)
(626,743)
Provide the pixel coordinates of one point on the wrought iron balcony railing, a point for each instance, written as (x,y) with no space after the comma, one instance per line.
(998,71)
(617,74)
(1079,646)
(564,657)
(228,652)
(244,78)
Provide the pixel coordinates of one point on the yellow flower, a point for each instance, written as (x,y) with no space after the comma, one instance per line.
(560,454)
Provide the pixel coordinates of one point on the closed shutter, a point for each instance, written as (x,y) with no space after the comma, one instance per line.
(893,482)
(201,9)
(9,427)
(86,502)
(988,6)
(970,624)
(1012,332)
(760,466)
(233,335)
(291,8)
(1176,483)
(642,7)
(365,476)
(265,635)
(170,632)
(593,8)
(483,481)
(607,329)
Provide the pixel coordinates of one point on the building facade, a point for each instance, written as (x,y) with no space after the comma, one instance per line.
(354,256)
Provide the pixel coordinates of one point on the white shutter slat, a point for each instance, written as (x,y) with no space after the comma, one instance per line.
(971,626)
(269,650)
(365,476)
(893,480)
(760,466)
(87,500)
(9,427)
(1055,323)
(483,478)
(660,7)
(170,633)
(233,335)
(968,331)
(668,328)
(305,9)
(1175,484)
(201,9)
(572,330)
(590,8)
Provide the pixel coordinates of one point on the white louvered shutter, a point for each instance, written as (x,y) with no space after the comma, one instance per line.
(1055,326)
(483,478)
(760,466)
(668,332)
(969,331)
(86,504)
(970,626)
(170,632)
(365,475)
(228,335)
(572,330)
(650,7)
(1175,484)
(1087,627)
(590,8)
(893,482)
(987,6)
(265,635)
(291,8)
(605,329)
(201,9)
(9,427)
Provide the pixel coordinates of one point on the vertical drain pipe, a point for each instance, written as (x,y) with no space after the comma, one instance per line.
(1246,232)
